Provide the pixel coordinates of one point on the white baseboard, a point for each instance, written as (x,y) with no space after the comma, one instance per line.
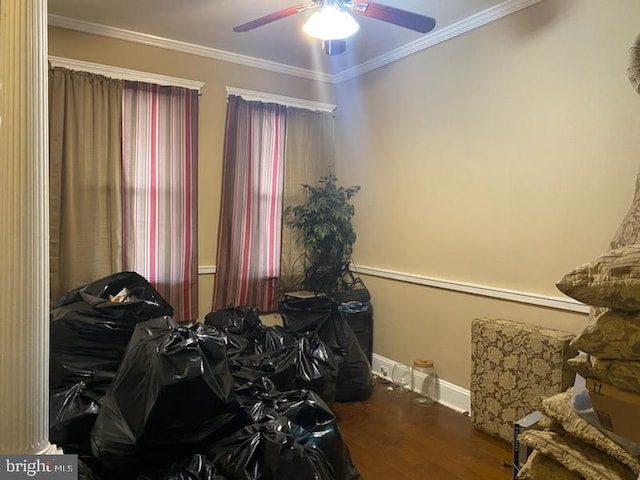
(448,394)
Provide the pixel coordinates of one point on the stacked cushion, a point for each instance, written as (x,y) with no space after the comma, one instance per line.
(571,447)
(577,456)
(622,374)
(611,342)
(612,280)
(615,334)
(543,467)
(559,410)
(609,353)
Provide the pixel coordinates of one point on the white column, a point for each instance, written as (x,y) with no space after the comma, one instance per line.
(24,250)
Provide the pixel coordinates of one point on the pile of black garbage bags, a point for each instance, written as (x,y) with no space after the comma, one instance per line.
(137,396)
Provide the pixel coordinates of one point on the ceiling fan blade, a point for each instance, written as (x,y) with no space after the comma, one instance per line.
(402,18)
(272,17)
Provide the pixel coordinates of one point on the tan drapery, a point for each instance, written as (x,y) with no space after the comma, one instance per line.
(85,210)
(309,155)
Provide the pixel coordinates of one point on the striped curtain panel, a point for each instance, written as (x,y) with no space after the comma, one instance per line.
(248,258)
(159,169)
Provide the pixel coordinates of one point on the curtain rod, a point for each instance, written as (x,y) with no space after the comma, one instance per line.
(251,95)
(124,73)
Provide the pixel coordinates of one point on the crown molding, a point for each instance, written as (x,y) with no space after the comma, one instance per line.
(482,18)
(475,21)
(184,47)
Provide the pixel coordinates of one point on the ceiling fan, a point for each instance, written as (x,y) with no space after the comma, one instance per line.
(332,22)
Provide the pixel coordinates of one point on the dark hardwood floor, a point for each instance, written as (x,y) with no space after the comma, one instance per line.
(390,439)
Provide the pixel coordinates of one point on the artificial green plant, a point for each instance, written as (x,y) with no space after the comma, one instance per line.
(326,232)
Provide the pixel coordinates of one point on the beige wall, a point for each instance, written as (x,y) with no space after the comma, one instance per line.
(503,157)
(216,75)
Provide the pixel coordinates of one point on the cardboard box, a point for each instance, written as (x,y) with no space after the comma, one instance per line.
(618,410)
(522,452)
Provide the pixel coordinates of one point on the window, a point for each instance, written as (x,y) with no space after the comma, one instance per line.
(270,151)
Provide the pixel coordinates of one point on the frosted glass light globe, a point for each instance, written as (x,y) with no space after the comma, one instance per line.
(330,23)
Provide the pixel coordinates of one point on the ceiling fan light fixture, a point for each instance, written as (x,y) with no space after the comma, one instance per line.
(330,23)
(334,47)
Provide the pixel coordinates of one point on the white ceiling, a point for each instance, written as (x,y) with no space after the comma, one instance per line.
(204,27)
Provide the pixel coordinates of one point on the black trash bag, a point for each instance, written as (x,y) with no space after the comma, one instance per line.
(358,293)
(270,451)
(84,471)
(277,337)
(236,344)
(359,316)
(72,414)
(354,383)
(198,467)
(89,333)
(317,368)
(307,410)
(172,396)
(301,315)
(258,398)
(90,469)
(290,363)
(320,315)
(143,300)
(279,366)
(154,326)
(243,321)
(85,344)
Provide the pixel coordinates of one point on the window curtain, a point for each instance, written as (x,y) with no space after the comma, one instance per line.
(309,155)
(159,163)
(248,257)
(85,115)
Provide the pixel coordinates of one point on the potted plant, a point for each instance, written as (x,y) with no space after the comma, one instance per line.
(324,223)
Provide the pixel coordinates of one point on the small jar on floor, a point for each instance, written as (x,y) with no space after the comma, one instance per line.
(423,383)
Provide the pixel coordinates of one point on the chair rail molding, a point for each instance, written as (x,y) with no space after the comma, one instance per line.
(529,298)
(206,269)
